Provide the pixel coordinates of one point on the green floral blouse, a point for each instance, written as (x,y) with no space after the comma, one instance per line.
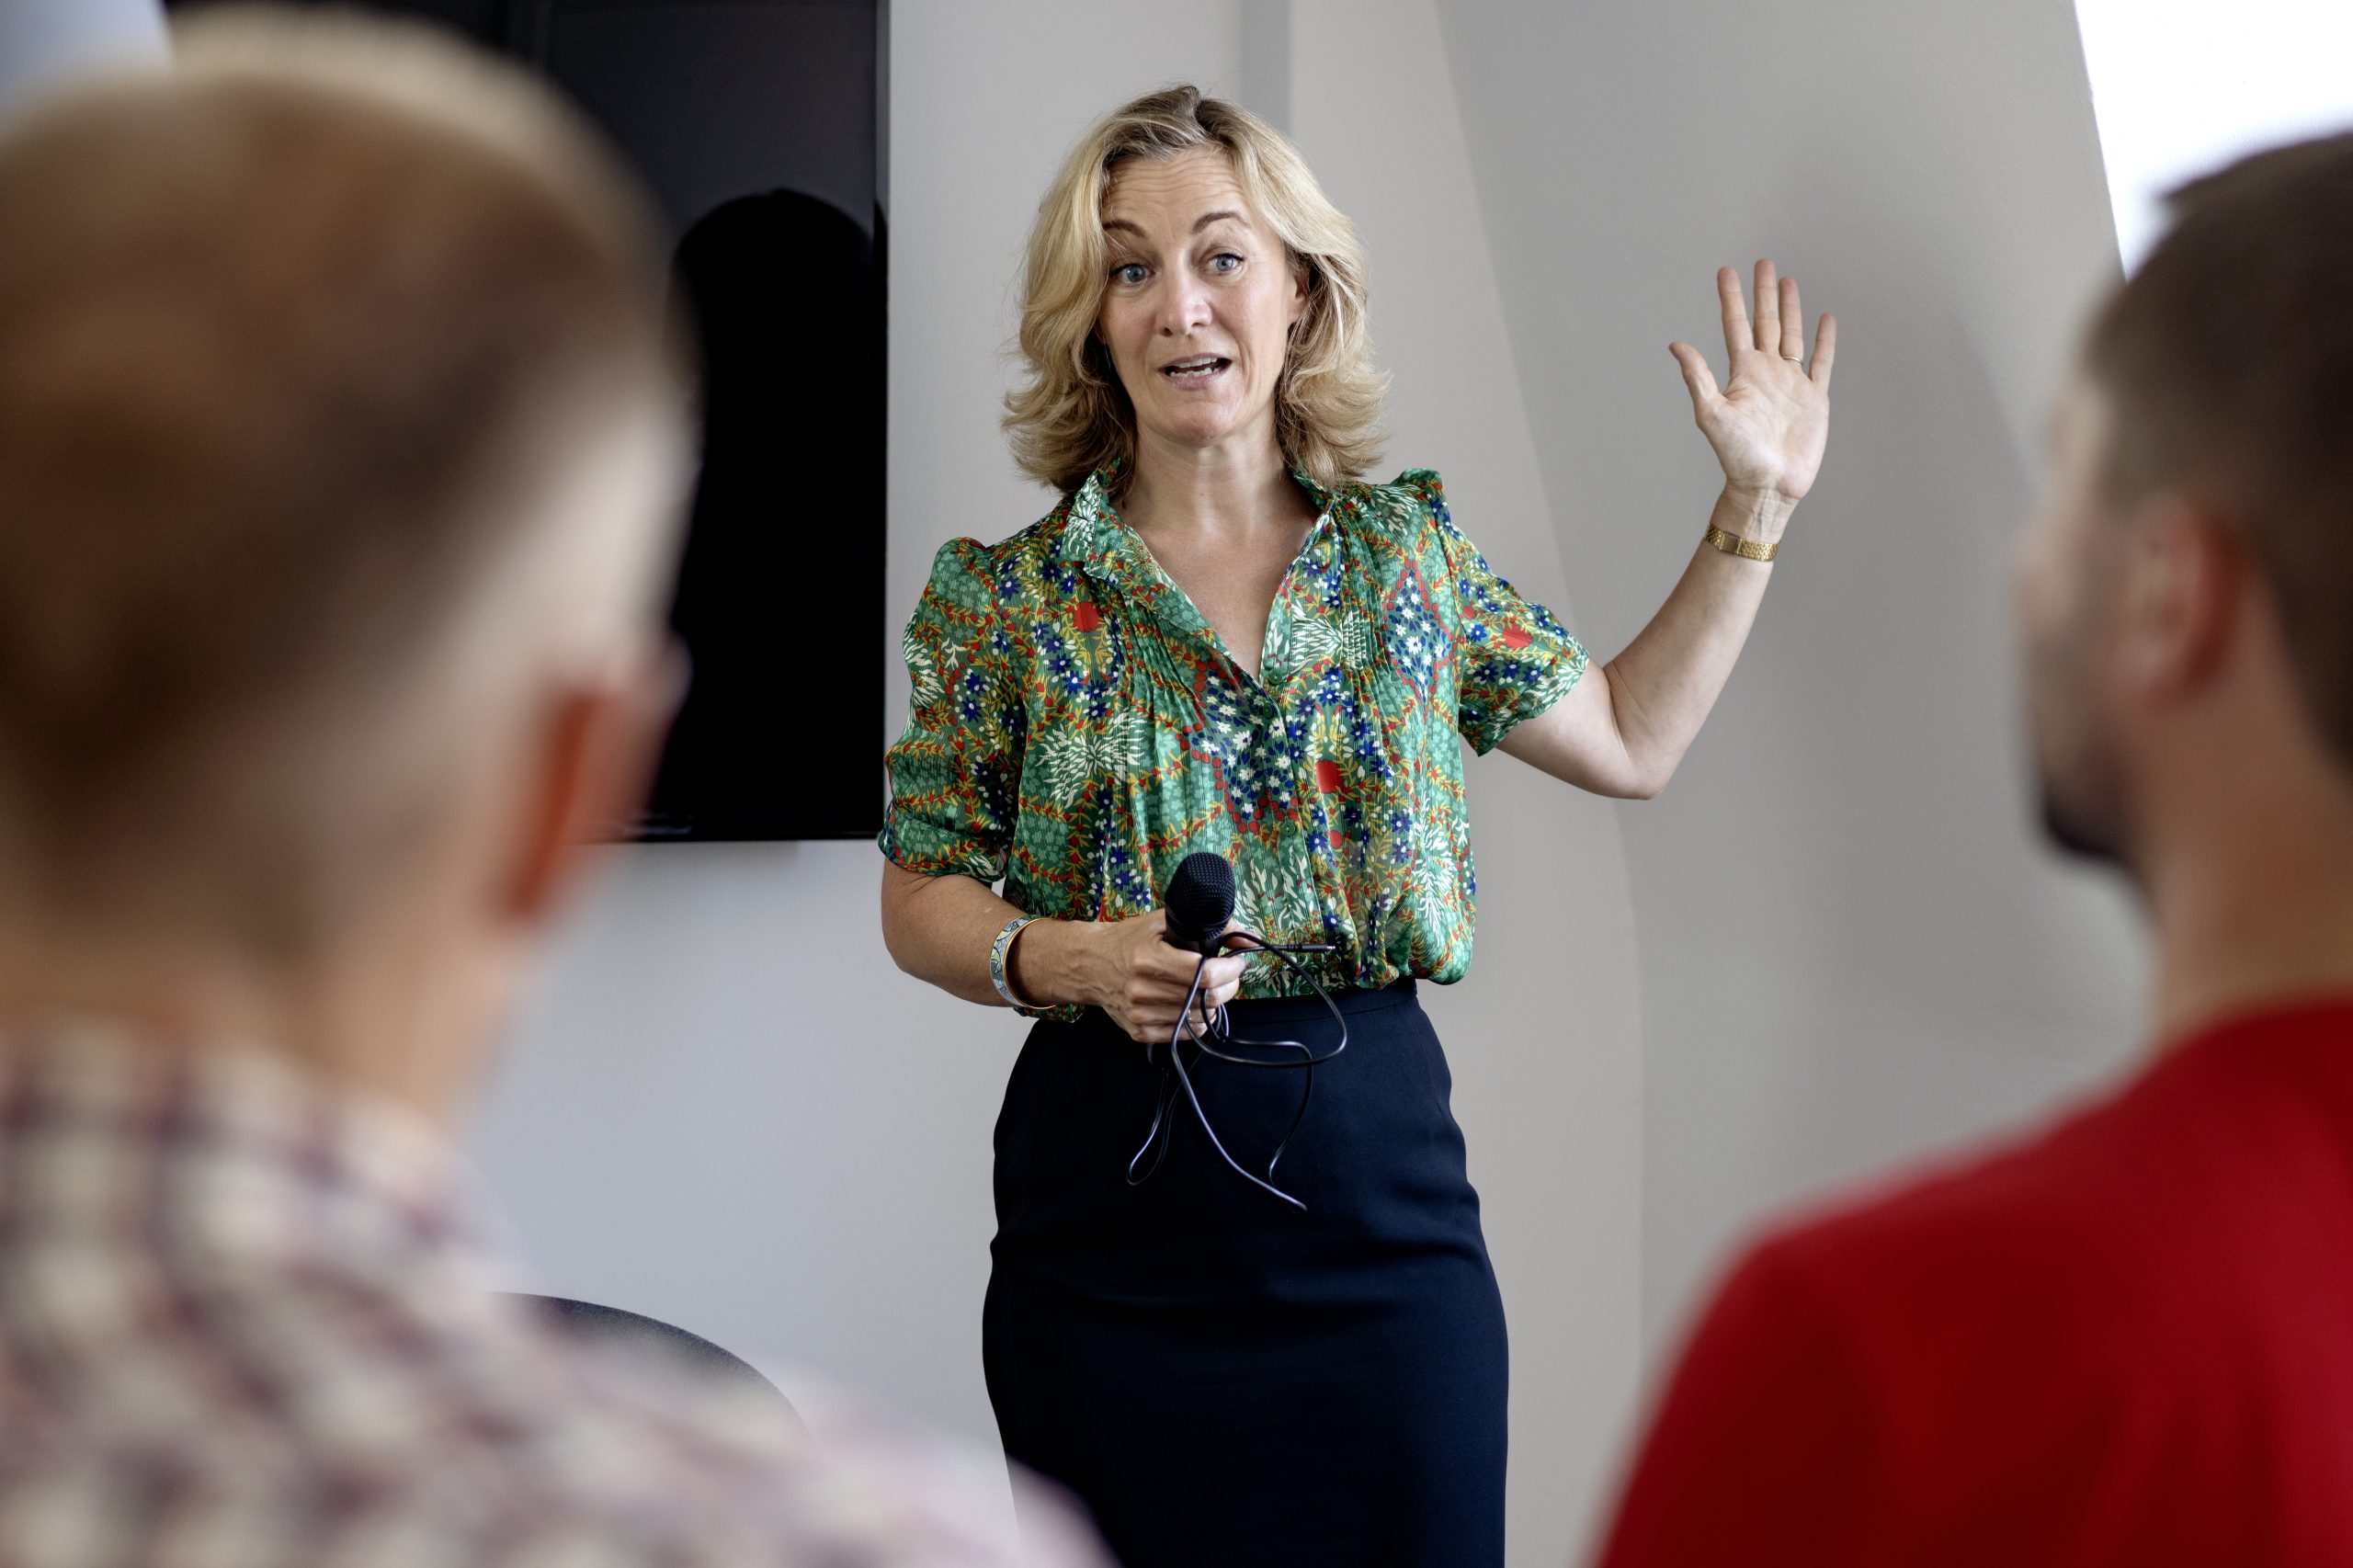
(1078,727)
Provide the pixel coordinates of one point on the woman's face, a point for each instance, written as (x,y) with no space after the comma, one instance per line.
(1199,300)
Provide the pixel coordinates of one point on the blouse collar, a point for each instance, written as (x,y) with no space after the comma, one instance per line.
(1102,545)
(1095,533)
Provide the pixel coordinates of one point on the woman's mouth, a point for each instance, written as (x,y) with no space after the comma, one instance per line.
(1195,372)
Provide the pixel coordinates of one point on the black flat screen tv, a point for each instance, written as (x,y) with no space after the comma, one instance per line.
(760,128)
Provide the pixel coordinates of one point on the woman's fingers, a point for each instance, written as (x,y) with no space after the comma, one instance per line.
(1156,979)
(1152,980)
(1160,977)
(1164,974)
(1154,1022)
(1792,314)
(1736,309)
(1768,308)
(1221,979)
(1825,348)
(1697,376)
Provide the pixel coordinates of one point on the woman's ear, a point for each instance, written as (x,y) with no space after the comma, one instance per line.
(1302,278)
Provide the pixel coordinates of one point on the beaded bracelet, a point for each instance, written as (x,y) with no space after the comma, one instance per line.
(1000,953)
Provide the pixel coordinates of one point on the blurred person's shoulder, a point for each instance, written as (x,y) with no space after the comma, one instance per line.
(629,1466)
(256,1327)
(2231,1152)
(2091,1310)
(611,1464)
(611,1469)
(838,1482)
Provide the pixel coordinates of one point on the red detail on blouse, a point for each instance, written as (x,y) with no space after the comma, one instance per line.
(1327,774)
(1516,636)
(1088,617)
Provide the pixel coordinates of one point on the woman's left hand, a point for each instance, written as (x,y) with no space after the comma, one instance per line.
(1771,421)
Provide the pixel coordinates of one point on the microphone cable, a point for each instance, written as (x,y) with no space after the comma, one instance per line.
(1215,1033)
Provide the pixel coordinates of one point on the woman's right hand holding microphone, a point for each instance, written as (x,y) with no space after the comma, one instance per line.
(1125,967)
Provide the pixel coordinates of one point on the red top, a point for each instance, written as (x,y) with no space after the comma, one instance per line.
(2127,1340)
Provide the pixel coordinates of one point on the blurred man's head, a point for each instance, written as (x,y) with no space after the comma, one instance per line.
(2187,587)
(339,455)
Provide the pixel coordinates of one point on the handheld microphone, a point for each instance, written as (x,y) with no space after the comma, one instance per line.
(1199,906)
(1199,902)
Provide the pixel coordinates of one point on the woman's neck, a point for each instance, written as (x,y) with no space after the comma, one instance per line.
(1231,490)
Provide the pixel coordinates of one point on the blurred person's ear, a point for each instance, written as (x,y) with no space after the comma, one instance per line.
(2182,609)
(588,774)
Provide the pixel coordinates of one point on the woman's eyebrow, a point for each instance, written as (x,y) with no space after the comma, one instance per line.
(1221,215)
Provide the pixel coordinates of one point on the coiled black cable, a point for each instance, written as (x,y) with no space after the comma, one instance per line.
(1214,1034)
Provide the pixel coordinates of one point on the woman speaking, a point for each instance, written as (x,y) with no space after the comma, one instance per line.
(1225,639)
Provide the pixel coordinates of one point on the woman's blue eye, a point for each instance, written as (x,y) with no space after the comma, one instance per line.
(1219,263)
(1129,272)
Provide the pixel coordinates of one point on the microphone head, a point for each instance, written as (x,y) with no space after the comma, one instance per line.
(1199,900)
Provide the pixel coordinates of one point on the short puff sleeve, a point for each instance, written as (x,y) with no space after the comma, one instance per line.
(956,770)
(1514,660)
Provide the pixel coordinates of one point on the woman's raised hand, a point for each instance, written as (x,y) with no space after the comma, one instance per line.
(1771,419)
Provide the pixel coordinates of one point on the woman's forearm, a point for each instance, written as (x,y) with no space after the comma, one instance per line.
(1666,681)
(1624,728)
(941,929)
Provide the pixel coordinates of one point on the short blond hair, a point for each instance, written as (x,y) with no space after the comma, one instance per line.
(1072,416)
(293,335)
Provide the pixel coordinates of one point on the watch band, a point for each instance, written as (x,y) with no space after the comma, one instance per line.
(1747,549)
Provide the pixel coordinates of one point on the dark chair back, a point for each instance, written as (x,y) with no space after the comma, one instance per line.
(659,1346)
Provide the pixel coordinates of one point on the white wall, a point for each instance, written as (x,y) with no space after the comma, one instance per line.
(1851,944)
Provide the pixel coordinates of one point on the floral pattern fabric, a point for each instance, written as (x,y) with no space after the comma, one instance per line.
(1078,727)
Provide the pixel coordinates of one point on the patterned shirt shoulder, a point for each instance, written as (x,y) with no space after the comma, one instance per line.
(247,1319)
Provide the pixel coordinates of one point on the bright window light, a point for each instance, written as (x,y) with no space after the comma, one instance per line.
(2183,86)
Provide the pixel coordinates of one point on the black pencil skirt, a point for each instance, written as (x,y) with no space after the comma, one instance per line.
(1221,1378)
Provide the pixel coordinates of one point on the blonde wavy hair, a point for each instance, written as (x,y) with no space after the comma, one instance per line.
(1072,416)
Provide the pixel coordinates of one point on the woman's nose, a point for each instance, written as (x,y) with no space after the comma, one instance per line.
(1184,306)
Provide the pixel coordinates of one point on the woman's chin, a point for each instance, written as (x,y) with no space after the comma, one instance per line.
(1201,427)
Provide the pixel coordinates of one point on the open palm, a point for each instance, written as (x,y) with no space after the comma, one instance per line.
(1771,419)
